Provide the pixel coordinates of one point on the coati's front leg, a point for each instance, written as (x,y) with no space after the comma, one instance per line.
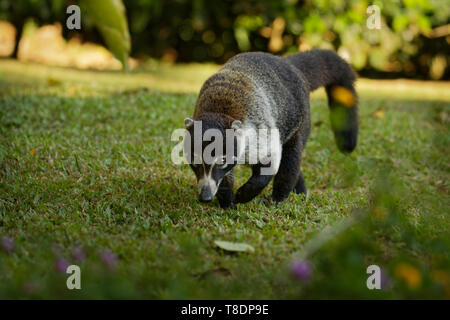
(254,185)
(289,175)
(225,192)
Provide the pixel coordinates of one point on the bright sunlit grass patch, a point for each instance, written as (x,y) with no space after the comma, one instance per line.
(188,78)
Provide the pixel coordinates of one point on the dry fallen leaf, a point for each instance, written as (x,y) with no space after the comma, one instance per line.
(234,246)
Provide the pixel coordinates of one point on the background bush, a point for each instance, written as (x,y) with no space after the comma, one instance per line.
(413,41)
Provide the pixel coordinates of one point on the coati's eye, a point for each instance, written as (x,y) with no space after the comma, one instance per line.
(221,163)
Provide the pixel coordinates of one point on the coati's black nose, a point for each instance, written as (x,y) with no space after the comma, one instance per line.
(206,195)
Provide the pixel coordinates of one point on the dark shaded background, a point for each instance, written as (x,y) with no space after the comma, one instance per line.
(413,41)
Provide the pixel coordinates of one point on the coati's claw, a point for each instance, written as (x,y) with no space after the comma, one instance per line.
(276,203)
(270,202)
(230,206)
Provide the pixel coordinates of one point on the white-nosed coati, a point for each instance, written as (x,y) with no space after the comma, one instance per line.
(260,90)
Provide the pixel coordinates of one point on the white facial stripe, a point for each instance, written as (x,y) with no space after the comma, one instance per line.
(210,168)
(212,165)
(215,162)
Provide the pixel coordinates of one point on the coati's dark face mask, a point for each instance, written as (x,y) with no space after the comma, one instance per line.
(210,167)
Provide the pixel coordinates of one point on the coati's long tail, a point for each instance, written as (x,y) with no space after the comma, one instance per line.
(326,68)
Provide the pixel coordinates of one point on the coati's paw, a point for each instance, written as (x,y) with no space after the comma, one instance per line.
(279,197)
(243,195)
(300,187)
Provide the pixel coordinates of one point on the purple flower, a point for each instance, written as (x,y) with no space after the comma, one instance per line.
(302,270)
(61,265)
(78,254)
(386,282)
(8,244)
(110,259)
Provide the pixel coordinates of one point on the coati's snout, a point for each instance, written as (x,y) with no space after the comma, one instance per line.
(206,190)
(205,194)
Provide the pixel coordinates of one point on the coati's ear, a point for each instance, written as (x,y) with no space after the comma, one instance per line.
(237,124)
(188,122)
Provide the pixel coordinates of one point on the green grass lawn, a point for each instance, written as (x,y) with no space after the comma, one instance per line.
(85,165)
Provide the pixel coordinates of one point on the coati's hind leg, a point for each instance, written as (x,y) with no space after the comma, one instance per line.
(254,185)
(300,187)
(225,192)
(288,174)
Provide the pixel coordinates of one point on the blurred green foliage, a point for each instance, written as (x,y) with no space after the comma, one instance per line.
(110,19)
(413,40)
(413,259)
